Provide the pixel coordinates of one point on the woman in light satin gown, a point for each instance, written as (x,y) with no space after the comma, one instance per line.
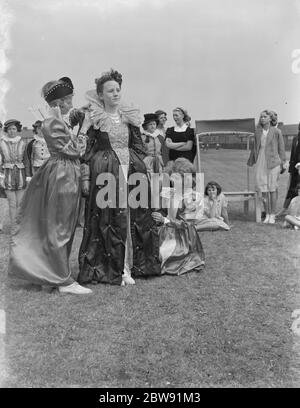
(41,244)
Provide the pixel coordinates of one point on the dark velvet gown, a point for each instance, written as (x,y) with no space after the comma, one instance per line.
(41,244)
(107,230)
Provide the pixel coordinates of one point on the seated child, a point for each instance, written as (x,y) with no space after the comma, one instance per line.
(180,249)
(293,217)
(215,215)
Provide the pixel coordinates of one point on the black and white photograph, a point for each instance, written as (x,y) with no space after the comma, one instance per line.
(150,197)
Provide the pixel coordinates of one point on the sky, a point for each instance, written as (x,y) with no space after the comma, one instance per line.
(219,59)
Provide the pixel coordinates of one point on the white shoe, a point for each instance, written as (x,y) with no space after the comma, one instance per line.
(267,219)
(127,280)
(272,219)
(75,289)
(295,227)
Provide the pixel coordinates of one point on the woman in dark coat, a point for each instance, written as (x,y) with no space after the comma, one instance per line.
(294,172)
(118,240)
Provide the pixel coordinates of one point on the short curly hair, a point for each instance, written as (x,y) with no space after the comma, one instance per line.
(111,75)
(212,184)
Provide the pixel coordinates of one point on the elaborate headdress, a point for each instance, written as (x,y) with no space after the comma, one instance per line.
(62,88)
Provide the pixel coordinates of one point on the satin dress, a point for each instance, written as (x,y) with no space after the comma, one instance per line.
(41,244)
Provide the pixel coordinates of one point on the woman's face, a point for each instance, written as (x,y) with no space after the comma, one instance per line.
(111,94)
(162,119)
(264,118)
(65,104)
(178,117)
(212,191)
(12,131)
(151,127)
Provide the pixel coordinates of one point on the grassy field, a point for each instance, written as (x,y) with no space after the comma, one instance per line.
(229,326)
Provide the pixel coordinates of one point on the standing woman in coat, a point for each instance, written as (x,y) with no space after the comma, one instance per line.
(268,154)
(41,245)
(118,240)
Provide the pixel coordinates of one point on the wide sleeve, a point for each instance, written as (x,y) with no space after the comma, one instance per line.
(59,138)
(135,141)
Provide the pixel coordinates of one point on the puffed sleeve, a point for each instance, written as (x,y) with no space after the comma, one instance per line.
(59,139)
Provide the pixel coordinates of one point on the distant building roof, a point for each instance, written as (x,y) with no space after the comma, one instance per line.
(27,133)
(289,130)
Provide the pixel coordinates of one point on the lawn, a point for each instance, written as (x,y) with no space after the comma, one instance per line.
(229,326)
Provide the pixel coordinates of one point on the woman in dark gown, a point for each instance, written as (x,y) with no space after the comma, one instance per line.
(118,240)
(41,244)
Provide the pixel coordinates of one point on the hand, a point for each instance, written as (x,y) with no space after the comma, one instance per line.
(87,122)
(85,188)
(28,179)
(158,217)
(76,117)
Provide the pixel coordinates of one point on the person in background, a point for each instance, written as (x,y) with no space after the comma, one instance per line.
(2,191)
(12,166)
(180,138)
(42,243)
(294,171)
(292,219)
(214,214)
(162,119)
(268,155)
(37,152)
(154,144)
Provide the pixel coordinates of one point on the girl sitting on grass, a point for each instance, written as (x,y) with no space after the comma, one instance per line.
(293,217)
(180,247)
(214,215)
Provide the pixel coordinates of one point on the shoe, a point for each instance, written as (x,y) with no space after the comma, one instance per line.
(272,219)
(295,227)
(266,220)
(127,280)
(75,289)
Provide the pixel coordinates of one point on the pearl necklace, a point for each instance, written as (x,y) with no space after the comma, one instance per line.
(115,117)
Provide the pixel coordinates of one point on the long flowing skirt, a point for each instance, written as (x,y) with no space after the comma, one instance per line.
(180,249)
(41,243)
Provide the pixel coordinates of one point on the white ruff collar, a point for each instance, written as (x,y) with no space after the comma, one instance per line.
(100,118)
(16,139)
(154,134)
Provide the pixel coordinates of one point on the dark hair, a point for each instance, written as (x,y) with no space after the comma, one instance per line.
(160,112)
(111,75)
(213,184)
